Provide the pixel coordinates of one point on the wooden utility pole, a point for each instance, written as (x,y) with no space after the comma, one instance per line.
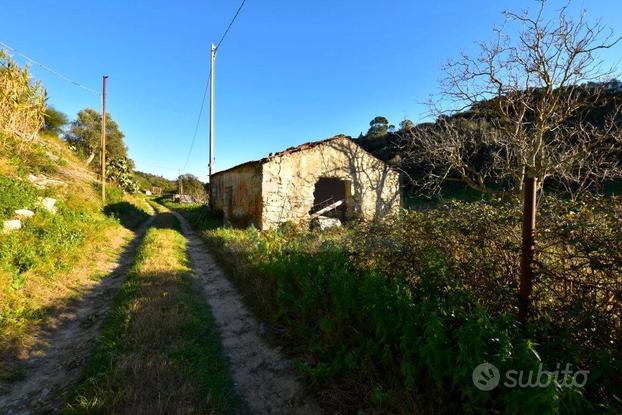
(103,143)
(528,247)
(181,184)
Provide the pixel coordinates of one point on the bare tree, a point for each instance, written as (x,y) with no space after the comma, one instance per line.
(523,116)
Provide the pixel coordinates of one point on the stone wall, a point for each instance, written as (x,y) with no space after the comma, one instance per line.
(237,194)
(288,182)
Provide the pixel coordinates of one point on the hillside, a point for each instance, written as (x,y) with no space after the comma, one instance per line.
(65,241)
(394,145)
(148,181)
(55,239)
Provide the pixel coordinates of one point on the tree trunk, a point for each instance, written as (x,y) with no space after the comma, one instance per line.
(528,247)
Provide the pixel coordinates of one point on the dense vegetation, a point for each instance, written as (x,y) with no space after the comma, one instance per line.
(193,187)
(387,315)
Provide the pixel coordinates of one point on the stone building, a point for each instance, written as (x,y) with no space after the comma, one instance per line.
(335,176)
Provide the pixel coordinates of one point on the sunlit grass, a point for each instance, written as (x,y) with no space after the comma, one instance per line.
(160,351)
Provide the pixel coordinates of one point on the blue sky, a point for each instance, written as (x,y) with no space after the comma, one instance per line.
(288,72)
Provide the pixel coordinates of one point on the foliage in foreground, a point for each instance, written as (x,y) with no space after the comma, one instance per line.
(22,102)
(386,316)
(160,351)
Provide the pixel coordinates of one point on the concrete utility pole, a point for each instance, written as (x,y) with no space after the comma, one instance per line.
(103,143)
(211,115)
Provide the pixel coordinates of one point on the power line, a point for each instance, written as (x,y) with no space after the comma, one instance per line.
(47,68)
(230,24)
(196,127)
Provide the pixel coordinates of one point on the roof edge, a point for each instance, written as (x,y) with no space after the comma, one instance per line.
(298,148)
(245,164)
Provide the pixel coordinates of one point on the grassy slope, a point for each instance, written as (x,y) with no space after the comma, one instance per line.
(160,351)
(46,263)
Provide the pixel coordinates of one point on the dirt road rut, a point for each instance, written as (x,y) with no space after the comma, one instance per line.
(263,376)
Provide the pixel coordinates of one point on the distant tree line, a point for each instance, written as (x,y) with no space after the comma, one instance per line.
(148,181)
(598,106)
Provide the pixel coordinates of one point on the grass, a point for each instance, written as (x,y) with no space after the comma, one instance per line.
(15,194)
(54,257)
(47,262)
(199,215)
(160,351)
(381,317)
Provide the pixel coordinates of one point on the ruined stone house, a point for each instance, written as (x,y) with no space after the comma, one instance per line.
(335,176)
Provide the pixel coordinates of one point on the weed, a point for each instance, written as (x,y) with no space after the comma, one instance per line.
(381,315)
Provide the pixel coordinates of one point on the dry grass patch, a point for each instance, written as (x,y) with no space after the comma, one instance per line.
(47,292)
(160,351)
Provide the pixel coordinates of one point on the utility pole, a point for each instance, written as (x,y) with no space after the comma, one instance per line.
(530,202)
(211,118)
(180,185)
(103,143)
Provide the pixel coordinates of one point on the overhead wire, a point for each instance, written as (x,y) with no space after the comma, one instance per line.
(196,127)
(222,38)
(230,24)
(47,68)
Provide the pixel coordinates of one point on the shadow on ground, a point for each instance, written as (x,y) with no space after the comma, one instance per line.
(38,380)
(128,215)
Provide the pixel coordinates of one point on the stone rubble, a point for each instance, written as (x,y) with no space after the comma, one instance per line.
(11,225)
(48,204)
(43,182)
(24,213)
(324,222)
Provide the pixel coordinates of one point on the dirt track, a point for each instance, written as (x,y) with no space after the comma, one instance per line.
(263,376)
(56,361)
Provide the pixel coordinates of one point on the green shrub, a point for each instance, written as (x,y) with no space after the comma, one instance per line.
(47,242)
(15,194)
(384,313)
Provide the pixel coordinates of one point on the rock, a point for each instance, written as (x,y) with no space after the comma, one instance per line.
(11,225)
(148,192)
(183,198)
(52,156)
(24,213)
(43,182)
(48,204)
(324,222)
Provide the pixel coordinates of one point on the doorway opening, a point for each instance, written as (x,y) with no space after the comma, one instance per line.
(327,194)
